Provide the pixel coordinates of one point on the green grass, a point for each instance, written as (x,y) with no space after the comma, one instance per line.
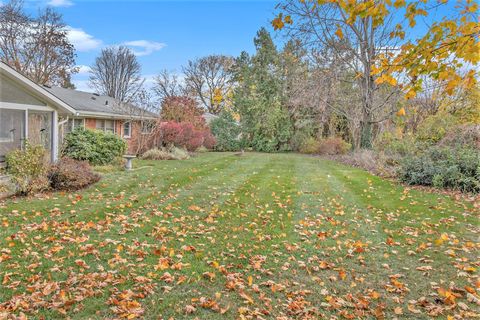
(279,236)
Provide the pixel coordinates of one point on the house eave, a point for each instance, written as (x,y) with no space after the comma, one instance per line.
(106,115)
(37,90)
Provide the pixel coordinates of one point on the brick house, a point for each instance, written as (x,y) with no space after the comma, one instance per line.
(43,115)
(99,112)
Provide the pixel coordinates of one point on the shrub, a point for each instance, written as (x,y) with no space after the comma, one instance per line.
(434,128)
(169,132)
(193,139)
(166,154)
(179,154)
(298,138)
(96,147)
(333,146)
(226,131)
(70,174)
(28,169)
(443,168)
(463,135)
(183,135)
(157,154)
(309,146)
(209,140)
(393,148)
(202,149)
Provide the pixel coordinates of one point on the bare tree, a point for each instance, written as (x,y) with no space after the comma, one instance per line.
(117,73)
(352,48)
(168,85)
(211,79)
(37,47)
(143,111)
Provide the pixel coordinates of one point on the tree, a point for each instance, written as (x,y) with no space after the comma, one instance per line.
(36,47)
(353,45)
(227,132)
(169,85)
(182,109)
(259,97)
(364,38)
(210,78)
(117,73)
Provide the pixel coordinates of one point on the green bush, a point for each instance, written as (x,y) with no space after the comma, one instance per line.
(391,145)
(443,168)
(393,149)
(309,145)
(28,169)
(227,131)
(96,147)
(435,127)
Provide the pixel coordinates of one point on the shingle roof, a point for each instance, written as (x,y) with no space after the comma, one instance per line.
(86,102)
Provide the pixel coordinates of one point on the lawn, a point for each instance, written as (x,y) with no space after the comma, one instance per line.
(258,236)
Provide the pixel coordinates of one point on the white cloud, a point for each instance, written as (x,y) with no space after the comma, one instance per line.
(146,47)
(82,40)
(60,3)
(82,85)
(83,69)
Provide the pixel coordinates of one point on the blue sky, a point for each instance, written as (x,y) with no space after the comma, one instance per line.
(165,34)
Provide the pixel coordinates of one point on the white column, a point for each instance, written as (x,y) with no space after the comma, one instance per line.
(25,133)
(55,136)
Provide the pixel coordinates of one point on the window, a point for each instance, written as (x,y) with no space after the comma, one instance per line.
(127,129)
(110,126)
(100,124)
(105,125)
(147,127)
(74,124)
(12,130)
(40,128)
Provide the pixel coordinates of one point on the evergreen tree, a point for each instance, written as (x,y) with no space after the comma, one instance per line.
(259,98)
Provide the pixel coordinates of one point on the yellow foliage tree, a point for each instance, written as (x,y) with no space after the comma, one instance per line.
(448,50)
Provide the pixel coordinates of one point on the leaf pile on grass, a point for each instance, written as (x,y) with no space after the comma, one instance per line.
(260,236)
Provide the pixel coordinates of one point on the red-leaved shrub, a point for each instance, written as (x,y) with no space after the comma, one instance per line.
(169,132)
(195,141)
(183,135)
(209,140)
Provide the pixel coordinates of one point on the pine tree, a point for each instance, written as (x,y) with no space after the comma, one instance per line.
(259,98)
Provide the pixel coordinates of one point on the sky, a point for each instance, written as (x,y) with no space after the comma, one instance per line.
(164,34)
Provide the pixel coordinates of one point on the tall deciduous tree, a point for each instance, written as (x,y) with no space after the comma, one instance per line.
(117,73)
(38,46)
(210,78)
(353,44)
(366,39)
(168,84)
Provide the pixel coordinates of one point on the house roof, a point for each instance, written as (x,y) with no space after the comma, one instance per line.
(209,117)
(35,89)
(95,105)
